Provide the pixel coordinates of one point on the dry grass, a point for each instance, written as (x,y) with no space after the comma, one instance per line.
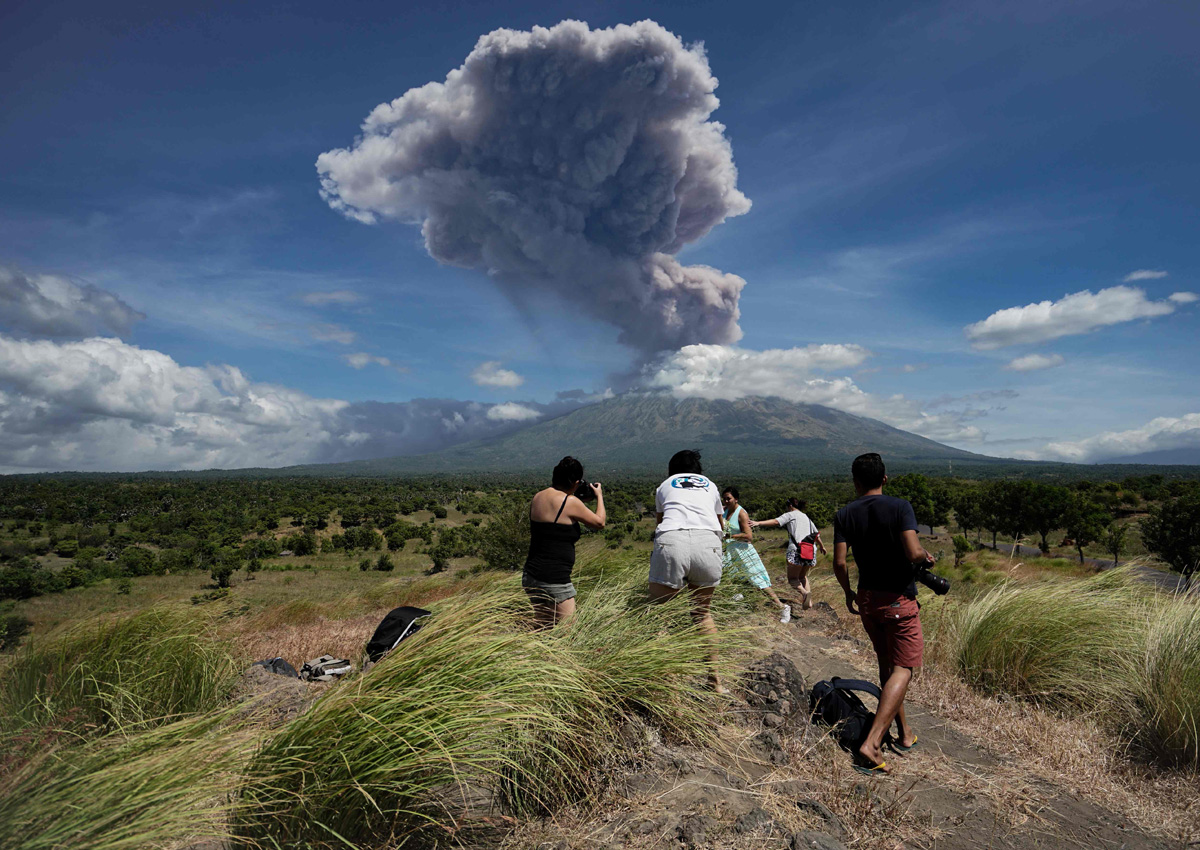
(1073,753)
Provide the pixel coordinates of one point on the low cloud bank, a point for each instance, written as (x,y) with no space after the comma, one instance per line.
(568,162)
(100,404)
(1163,433)
(727,372)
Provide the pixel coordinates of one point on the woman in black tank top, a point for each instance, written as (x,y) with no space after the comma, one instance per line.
(554,517)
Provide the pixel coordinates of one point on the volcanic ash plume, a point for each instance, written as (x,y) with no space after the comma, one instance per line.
(565,161)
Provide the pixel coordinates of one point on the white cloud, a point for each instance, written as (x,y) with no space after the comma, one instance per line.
(725,372)
(489,374)
(510,411)
(340,297)
(1077,313)
(1156,435)
(1184,297)
(1143,274)
(360,360)
(103,404)
(52,306)
(1034,362)
(332,333)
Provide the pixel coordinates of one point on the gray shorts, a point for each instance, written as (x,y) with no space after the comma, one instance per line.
(544,591)
(686,556)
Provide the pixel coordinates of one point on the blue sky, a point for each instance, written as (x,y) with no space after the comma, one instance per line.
(912,172)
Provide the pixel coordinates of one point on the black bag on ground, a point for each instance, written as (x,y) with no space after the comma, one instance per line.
(834,702)
(399,624)
(278,666)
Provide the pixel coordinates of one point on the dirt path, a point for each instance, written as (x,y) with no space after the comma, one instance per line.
(782,784)
(949,782)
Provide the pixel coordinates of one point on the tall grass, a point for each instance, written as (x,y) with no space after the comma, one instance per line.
(154,665)
(160,786)
(1168,693)
(1109,645)
(476,700)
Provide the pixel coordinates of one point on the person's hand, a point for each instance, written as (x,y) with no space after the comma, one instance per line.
(754,523)
(851,603)
(596,488)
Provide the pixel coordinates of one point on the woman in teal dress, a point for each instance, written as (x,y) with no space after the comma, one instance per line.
(740,552)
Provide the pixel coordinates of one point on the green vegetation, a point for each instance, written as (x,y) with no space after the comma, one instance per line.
(1109,646)
(122,673)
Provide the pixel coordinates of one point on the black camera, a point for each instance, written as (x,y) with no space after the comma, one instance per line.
(584,491)
(939,585)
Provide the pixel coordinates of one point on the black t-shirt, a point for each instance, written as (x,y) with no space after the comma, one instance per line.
(873,526)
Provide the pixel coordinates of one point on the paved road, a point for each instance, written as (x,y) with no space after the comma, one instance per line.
(1170,582)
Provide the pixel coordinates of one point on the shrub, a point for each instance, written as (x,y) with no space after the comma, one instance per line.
(384,564)
(962,548)
(13,627)
(364,564)
(124,586)
(504,542)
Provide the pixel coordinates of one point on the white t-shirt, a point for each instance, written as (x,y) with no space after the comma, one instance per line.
(688,501)
(798,527)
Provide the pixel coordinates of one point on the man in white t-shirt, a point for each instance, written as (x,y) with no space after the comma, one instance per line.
(804,538)
(687,542)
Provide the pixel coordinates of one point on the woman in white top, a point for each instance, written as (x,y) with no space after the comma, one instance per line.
(803,540)
(687,543)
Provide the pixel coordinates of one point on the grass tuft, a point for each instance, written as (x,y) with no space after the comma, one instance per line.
(140,669)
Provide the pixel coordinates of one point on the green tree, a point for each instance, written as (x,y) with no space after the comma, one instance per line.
(1172,532)
(504,542)
(914,488)
(1085,520)
(962,548)
(1114,541)
(1044,506)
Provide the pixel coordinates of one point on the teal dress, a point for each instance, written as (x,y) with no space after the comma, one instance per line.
(741,555)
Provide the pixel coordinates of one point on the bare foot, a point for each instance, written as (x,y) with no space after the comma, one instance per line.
(871,758)
(717,687)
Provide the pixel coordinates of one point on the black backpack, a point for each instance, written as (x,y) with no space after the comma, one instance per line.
(835,703)
(399,624)
(278,666)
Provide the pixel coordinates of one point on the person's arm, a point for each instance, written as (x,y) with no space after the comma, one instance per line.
(843,575)
(913,550)
(576,509)
(744,525)
(766,523)
(820,545)
(658,518)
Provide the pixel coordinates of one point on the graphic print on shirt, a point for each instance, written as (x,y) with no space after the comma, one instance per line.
(690,482)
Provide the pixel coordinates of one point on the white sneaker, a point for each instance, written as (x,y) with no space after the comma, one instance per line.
(786,616)
(738,598)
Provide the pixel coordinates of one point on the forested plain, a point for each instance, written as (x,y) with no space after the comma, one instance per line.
(62,532)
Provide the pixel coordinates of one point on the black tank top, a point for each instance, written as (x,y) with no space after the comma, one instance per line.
(552,549)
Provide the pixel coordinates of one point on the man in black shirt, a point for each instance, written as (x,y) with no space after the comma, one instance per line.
(882,531)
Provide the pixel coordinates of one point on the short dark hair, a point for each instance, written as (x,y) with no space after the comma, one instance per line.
(868,470)
(797,504)
(733,491)
(686,461)
(568,471)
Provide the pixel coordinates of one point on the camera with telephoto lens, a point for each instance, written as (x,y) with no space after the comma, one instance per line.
(922,573)
(584,491)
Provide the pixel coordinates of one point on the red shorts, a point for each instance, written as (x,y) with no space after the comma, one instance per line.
(893,623)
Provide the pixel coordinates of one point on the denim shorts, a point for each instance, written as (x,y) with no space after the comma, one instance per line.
(686,556)
(543,591)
